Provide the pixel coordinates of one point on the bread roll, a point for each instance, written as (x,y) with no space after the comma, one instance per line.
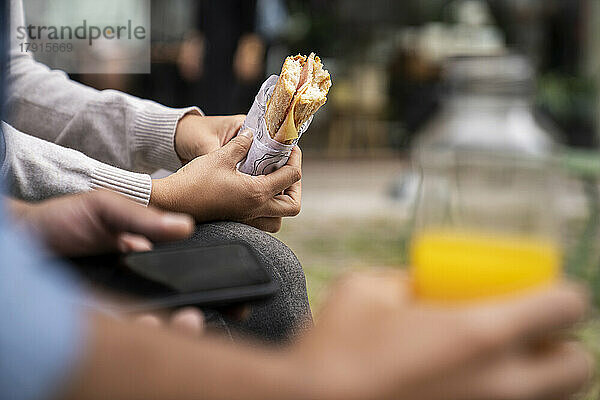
(284,92)
(315,95)
(300,91)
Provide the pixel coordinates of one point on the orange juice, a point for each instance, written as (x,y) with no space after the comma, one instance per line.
(452,265)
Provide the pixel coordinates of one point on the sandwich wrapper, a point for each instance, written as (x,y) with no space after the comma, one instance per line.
(266,154)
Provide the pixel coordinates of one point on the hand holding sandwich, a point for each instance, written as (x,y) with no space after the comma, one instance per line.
(197,135)
(212,189)
(282,111)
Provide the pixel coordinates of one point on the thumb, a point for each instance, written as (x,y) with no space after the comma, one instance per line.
(120,215)
(238,147)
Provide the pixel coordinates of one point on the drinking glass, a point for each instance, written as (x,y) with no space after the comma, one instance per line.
(486,224)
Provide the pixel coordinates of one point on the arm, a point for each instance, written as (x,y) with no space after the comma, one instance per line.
(109,126)
(37,169)
(371,343)
(97,222)
(126,361)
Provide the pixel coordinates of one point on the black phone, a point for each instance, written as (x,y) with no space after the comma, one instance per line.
(177,276)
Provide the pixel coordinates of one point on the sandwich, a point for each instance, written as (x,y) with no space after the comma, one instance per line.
(300,91)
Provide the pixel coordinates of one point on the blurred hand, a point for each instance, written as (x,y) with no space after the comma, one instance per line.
(98,222)
(188,320)
(190,60)
(197,135)
(212,189)
(372,341)
(248,58)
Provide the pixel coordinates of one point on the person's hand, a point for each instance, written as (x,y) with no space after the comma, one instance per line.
(190,58)
(198,135)
(248,58)
(98,222)
(212,189)
(372,341)
(188,320)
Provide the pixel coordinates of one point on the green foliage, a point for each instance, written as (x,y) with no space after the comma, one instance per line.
(589,334)
(329,247)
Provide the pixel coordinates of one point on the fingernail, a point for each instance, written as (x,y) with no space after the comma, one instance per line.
(188,320)
(246,133)
(129,243)
(122,246)
(171,220)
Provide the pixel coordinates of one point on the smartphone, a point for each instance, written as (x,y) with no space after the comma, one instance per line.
(177,276)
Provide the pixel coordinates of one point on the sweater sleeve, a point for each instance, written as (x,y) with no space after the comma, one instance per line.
(36,170)
(108,125)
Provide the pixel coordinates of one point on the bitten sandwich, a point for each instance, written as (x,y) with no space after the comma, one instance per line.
(300,91)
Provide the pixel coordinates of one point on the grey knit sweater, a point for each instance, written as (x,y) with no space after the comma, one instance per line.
(79,138)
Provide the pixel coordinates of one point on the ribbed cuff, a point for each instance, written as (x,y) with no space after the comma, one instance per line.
(154,135)
(136,187)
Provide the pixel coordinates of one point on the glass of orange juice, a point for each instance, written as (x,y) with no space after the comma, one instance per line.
(486,225)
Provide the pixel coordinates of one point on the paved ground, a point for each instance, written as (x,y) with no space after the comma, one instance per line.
(355,189)
(349,219)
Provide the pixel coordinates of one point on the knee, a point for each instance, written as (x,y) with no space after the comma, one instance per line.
(283,262)
(288,313)
(278,258)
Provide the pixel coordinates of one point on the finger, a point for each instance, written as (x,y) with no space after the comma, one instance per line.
(149,320)
(294,191)
(232,126)
(239,312)
(474,332)
(287,204)
(236,122)
(121,215)
(394,284)
(529,316)
(281,206)
(243,312)
(554,374)
(189,321)
(286,176)
(238,147)
(127,242)
(267,224)
(385,290)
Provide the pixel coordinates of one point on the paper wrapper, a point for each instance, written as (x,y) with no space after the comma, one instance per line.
(266,154)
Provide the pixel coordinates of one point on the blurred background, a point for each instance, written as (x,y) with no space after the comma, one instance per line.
(507,75)
(518,76)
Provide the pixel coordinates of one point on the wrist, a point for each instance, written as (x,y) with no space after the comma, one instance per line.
(297,380)
(19,209)
(154,130)
(182,146)
(305,378)
(277,375)
(159,194)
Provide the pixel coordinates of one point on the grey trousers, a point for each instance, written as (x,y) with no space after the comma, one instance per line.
(280,318)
